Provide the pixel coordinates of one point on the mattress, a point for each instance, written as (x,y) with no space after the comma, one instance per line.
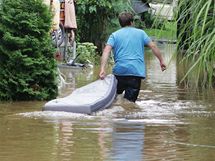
(95,96)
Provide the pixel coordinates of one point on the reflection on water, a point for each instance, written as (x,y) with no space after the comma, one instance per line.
(167,123)
(128,142)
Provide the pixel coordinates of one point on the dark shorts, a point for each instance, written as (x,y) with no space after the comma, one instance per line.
(129,84)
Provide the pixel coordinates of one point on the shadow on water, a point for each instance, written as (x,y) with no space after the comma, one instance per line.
(166,123)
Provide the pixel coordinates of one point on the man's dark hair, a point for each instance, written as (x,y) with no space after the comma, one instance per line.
(125,19)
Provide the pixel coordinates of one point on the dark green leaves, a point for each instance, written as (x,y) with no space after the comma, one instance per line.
(28,68)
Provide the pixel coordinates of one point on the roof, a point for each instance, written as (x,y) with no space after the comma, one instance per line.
(140,6)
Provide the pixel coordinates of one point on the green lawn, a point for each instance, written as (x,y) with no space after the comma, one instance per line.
(168,31)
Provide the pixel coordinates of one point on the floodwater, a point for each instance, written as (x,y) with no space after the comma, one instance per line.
(166,123)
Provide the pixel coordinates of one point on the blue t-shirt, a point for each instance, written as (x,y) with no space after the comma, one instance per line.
(128,47)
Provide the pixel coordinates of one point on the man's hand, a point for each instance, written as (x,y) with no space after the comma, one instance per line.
(102,74)
(163,66)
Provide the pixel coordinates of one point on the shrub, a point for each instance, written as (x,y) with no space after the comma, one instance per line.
(28,68)
(87,53)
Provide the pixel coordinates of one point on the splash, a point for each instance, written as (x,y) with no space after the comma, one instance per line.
(55,115)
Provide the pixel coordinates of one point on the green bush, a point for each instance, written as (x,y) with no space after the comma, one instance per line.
(28,68)
(87,53)
(96,19)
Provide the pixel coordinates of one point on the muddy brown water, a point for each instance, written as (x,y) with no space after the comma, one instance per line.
(166,123)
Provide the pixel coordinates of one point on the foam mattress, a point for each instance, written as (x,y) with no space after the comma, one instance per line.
(95,96)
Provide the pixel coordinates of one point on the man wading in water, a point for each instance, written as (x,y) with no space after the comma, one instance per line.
(128,48)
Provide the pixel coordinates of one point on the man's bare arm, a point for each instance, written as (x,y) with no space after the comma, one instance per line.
(104,59)
(158,54)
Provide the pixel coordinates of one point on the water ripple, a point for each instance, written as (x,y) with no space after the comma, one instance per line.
(54,115)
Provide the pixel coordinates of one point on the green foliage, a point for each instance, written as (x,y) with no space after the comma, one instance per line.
(95,17)
(168,31)
(28,68)
(195,40)
(87,53)
(196,37)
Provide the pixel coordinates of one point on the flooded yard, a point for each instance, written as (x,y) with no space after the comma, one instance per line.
(167,122)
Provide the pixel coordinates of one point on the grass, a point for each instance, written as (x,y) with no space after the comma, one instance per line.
(168,31)
(197,37)
(195,40)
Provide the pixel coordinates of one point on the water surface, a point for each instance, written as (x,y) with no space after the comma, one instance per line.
(166,123)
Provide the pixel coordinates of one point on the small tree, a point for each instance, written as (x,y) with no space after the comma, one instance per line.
(28,68)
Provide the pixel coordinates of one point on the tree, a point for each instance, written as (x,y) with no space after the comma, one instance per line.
(95,17)
(28,69)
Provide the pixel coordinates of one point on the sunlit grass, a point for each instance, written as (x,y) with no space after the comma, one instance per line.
(168,31)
